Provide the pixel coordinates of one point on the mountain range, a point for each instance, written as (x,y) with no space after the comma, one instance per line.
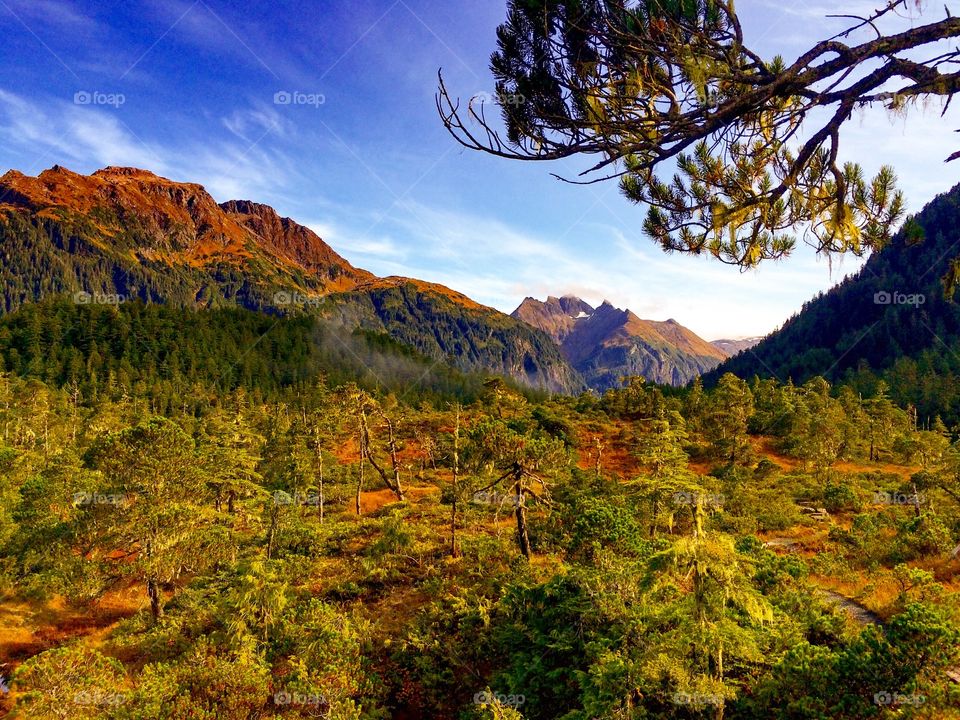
(606,343)
(735,347)
(129,233)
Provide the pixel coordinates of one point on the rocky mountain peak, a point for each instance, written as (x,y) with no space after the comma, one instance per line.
(606,342)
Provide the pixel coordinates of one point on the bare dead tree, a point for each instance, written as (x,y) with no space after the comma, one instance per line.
(597,467)
(393,483)
(318,450)
(521,480)
(454,550)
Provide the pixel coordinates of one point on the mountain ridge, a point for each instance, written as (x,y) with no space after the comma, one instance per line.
(130,232)
(734,346)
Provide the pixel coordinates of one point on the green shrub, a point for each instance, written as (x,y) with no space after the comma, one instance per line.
(838,497)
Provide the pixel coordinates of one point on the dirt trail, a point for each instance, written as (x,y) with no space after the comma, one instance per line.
(860,613)
(864,616)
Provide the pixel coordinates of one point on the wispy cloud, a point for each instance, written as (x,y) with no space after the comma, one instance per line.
(52,12)
(360,247)
(250,123)
(58,131)
(73,132)
(499,264)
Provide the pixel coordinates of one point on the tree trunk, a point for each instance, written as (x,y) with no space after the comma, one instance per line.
(392,484)
(320,497)
(454,551)
(392,439)
(231,499)
(359,483)
(599,456)
(523,539)
(153,591)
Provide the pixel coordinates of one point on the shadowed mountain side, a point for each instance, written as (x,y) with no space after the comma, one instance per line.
(892,318)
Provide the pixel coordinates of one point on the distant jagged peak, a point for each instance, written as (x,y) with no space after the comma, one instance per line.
(734,346)
(568,304)
(586,333)
(575,307)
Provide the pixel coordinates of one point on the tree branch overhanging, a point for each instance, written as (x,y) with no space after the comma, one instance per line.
(671,103)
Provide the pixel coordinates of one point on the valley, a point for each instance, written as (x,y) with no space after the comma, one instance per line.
(348,367)
(343,474)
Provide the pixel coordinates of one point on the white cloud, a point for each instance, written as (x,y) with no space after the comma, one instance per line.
(499,264)
(357,247)
(250,124)
(50,12)
(75,132)
(61,132)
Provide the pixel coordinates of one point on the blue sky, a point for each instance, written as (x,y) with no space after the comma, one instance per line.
(363,159)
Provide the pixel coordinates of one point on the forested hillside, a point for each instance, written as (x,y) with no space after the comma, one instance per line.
(892,320)
(177,356)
